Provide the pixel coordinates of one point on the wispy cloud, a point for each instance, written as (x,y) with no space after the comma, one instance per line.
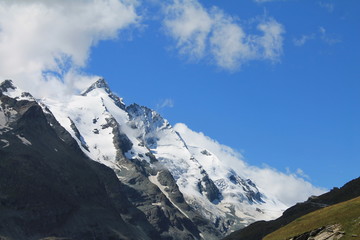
(45,43)
(166,103)
(328,6)
(301,173)
(321,34)
(202,33)
(288,187)
(303,39)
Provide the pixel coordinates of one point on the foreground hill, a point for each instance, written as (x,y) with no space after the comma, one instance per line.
(260,229)
(339,220)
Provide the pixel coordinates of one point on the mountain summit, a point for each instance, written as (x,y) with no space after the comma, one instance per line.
(185,191)
(102,84)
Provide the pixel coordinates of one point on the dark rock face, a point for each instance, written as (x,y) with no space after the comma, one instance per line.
(210,189)
(120,139)
(159,211)
(252,194)
(151,119)
(166,179)
(49,188)
(258,230)
(5,85)
(78,135)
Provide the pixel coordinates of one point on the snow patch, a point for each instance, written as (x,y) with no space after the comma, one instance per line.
(6,143)
(24,140)
(201,235)
(18,94)
(7,115)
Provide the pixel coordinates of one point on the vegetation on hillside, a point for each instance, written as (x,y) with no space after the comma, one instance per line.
(347,214)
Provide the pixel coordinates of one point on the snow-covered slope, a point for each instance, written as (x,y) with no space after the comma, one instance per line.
(107,130)
(208,184)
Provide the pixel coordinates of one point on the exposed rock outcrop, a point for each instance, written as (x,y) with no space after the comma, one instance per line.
(332,232)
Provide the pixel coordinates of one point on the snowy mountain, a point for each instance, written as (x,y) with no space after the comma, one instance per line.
(187,185)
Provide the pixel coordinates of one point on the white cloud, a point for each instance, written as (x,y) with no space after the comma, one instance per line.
(289,188)
(303,39)
(41,40)
(321,35)
(212,34)
(271,40)
(166,103)
(228,43)
(189,23)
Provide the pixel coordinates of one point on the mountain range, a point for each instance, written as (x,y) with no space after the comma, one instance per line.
(88,166)
(128,155)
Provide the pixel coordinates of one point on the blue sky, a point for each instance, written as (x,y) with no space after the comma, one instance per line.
(300,111)
(276,80)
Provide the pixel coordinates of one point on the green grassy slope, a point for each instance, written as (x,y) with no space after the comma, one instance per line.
(258,230)
(347,214)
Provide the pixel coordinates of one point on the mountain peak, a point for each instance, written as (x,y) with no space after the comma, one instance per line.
(102,84)
(8,88)
(7,84)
